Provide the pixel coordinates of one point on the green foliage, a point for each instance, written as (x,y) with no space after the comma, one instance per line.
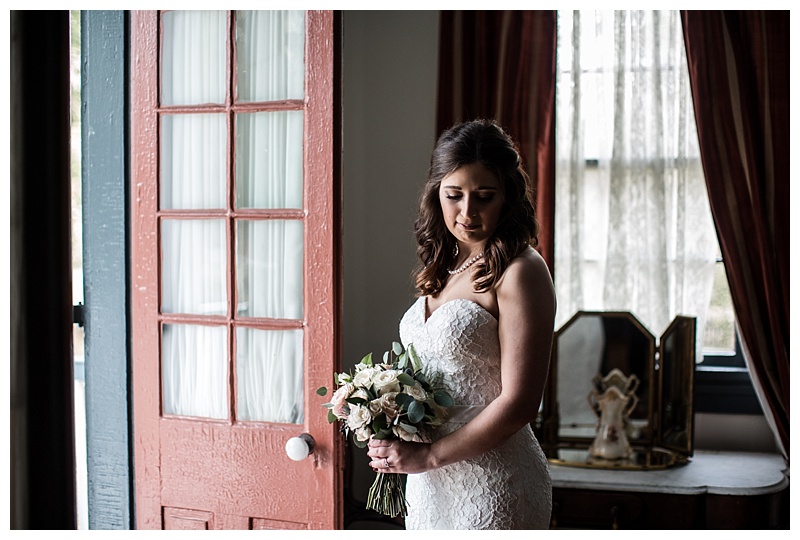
(442,398)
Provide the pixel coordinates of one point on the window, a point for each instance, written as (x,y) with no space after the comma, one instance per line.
(633,225)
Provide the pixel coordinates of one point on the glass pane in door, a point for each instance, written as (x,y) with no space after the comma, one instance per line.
(194,363)
(269,160)
(269,375)
(193,161)
(193,59)
(193,267)
(269,268)
(270,55)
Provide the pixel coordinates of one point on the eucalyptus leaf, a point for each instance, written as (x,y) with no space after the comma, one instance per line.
(415,361)
(356,400)
(360,444)
(383,434)
(441,397)
(331,417)
(408,427)
(397,348)
(402,360)
(386,358)
(327,405)
(321,391)
(404,400)
(405,379)
(367,360)
(416,412)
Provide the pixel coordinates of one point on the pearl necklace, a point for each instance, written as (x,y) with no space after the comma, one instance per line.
(466,265)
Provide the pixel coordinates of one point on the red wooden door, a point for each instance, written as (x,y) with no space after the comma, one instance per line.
(224,366)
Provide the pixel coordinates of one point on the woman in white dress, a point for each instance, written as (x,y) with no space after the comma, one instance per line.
(483,328)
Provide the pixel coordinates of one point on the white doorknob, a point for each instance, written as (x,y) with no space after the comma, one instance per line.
(298,448)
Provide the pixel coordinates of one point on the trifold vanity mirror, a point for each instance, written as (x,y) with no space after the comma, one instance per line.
(614,398)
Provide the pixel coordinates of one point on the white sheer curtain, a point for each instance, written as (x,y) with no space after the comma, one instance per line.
(193,58)
(268,257)
(269,49)
(633,222)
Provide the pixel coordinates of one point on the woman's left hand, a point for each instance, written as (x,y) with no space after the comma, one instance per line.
(398,456)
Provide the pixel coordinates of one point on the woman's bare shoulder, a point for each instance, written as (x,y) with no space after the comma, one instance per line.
(527,274)
(527,265)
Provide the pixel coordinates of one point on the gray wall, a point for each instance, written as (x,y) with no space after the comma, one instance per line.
(389,93)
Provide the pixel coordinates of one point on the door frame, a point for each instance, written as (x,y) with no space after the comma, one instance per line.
(104,172)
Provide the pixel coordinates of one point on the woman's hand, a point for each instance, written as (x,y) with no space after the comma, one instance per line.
(397,456)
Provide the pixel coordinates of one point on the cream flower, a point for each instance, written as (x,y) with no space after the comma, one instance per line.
(386,381)
(364,377)
(417,392)
(386,404)
(363,434)
(361,393)
(360,417)
(403,434)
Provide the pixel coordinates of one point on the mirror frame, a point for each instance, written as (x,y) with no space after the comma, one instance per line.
(654,442)
(684,329)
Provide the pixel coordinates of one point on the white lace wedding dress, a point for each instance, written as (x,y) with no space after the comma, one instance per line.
(505,488)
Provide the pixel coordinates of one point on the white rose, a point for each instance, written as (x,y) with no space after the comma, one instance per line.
(361,393)
(363,434)
(359,417)
(386,381)
(417,392)
(364,377)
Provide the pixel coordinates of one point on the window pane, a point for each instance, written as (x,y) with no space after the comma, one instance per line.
(269,258)
(720,334)
(193,161)
(269,160)
(269,375)
(194,360)
(193,57)
(193,275)
(270,55)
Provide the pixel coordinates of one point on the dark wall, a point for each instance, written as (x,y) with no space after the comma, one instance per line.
(41,436)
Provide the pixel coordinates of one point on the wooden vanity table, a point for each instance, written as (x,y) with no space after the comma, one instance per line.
(715,490)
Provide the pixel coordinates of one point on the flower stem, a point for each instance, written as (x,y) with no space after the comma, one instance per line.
(387,495)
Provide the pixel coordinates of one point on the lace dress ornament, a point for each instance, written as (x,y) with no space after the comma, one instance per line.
(508,487)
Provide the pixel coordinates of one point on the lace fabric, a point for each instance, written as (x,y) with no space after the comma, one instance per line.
(508,487)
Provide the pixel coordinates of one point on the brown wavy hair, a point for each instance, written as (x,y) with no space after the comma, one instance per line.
(484,142)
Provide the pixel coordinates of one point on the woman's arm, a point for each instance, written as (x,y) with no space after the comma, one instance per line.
(526,303)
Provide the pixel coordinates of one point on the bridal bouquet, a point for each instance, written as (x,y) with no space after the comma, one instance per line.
(390,400)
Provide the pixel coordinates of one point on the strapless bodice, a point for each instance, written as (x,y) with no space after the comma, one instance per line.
(459,348)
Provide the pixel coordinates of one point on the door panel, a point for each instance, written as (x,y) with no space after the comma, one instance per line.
(235,282)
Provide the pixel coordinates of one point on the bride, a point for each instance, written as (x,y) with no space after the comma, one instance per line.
(483,327)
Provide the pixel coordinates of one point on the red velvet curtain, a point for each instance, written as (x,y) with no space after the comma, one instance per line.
(739,70)
(501,65)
